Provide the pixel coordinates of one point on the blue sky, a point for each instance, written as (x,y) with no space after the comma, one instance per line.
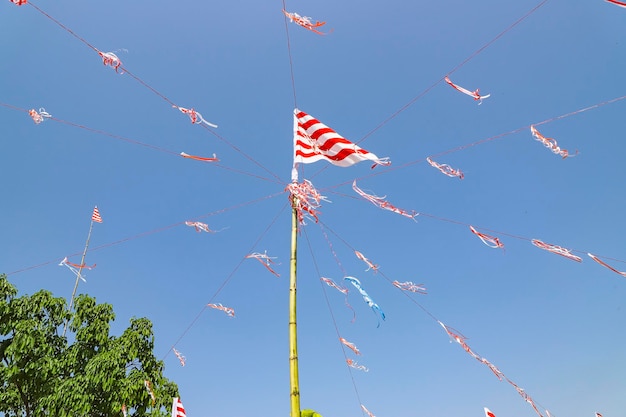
(549,324)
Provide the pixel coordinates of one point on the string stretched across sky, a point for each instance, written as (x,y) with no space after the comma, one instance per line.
(315,137)
(304,126)
(112,60)
(454,335)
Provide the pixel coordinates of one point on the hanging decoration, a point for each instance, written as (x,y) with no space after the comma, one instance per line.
(306,22)
(491,241)
(375,308)
(200,158)
(200,227)
(40,116)
(229,311)
(194,116)
(409,286)
(383,204)
(556,249)
(180,357)
(370,264)
(267,261)
(474,94)
(306,199)
(550,143)
(446,169)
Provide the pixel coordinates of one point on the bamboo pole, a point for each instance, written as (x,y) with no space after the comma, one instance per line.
(78,275)
(293,336)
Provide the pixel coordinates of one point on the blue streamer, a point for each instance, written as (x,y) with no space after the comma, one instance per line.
(366,296)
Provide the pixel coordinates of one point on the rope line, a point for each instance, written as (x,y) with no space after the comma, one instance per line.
(154,90)
(293,80)
(226,281)
(481,141)
(147,233)
(147,145)
(432,316)
(332,315)
(456,68)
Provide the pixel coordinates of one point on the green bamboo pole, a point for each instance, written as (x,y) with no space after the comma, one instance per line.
(78,276)
(293,336)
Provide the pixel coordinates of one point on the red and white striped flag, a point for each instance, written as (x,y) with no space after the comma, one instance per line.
(488,413)
(313,141)
(95,217)
(177,408)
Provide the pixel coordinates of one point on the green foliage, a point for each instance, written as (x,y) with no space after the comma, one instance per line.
(86,372)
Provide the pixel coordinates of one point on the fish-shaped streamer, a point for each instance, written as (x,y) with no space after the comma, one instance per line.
(491,241)
(305,22)
(350,346)
(556,249)
(550,143)
(382,203)
(474,94)
(196,117)
(180,357)
(229,311)
(332,283)
(353,364)
(409,286)
(111,60)
(370,264)
(446,169)
(200,227)
(40,116)
(265,260)
(366,297)
(604,264)
(76,268)
(200,158)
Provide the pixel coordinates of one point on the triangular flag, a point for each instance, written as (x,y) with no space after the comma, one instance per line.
(95,217)
(313,141)
(177,408)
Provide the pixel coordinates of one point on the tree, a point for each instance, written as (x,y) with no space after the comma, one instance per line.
(86,372)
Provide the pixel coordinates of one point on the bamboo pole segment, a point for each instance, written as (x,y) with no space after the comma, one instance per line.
(293,336)
(78,276)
